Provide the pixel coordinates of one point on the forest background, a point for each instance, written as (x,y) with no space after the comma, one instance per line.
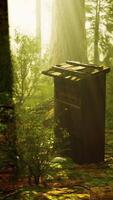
(85,36)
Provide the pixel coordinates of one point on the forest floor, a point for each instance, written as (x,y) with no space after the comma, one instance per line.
(67,181)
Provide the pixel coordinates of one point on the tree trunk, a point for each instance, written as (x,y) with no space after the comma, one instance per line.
(7,121)
(6,78)
(38,19)
(38,26)
(68,31)
(96,33)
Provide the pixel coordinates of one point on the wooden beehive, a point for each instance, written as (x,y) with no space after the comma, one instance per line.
(79,95)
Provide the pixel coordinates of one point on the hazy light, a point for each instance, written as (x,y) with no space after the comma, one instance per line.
(46,20)
(22,18)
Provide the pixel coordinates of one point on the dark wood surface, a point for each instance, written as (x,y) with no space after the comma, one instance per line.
(80,111)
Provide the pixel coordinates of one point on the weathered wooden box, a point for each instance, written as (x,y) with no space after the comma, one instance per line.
(79,95)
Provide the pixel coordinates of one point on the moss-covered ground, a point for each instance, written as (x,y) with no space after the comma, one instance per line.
(67,180)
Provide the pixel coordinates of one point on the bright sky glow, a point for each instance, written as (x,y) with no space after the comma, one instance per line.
(22,17)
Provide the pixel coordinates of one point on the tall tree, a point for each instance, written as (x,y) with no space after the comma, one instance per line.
(96,32)
(38,19)
(6,78)
(7,120)
(107,44)
(99,29)
(68,32)
(108,60)
(38,26)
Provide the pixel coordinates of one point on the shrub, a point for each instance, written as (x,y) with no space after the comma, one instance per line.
(30,86)
(35,142)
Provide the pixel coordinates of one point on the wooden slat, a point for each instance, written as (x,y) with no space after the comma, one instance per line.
(84,65)
(79,73)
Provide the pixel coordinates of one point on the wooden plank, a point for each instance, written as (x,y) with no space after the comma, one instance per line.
(85,65)
(79,73)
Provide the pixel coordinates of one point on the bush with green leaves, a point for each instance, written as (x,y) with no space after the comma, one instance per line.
(35,137)
(7,136)
(30,86)
(35,141)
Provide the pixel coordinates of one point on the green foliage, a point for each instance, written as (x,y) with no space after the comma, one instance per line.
(34,118)
(105,27)
(30,87)
(5,97)
(105,45)
(7,136)
(2,127)
(35,141)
